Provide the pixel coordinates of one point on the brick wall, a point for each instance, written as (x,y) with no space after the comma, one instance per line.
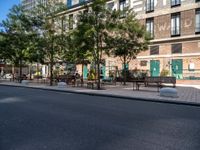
(191,47)
(162,26)
(188,22)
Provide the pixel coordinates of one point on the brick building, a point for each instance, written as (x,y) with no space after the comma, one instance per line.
(175,29)
(30,4)
(174,26)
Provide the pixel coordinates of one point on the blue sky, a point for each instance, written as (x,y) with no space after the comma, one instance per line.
(5,5)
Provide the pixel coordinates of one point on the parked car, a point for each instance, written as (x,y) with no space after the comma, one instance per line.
(7,76)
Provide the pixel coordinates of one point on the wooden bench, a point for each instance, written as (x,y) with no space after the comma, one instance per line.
(160,81)
(90,84)
(108,81)
(79,82)
(155,81)
(168,80)
(137,84)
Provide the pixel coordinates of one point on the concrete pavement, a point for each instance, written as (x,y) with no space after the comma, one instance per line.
(189,94)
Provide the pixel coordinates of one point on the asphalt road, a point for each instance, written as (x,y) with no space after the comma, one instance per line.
(39,120)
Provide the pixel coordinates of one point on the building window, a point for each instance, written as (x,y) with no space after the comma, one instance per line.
(71,21)
(197,26)
(122,7)
(143,63)
(150,26)
(175,24)
(81,1)
(149,5)
(154,50)
(69,3)
(177,48)
(110,6)
(175,3)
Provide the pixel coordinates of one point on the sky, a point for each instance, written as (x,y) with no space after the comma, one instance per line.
(5,5)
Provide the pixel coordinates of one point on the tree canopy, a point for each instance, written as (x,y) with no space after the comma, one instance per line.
(18,38)
(127,38)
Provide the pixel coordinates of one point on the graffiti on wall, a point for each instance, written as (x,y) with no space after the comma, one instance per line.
(165,26)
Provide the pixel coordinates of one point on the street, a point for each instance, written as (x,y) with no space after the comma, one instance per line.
(33,119)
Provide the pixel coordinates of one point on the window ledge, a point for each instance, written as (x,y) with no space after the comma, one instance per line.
(176,35)
(149,11)
(177,5)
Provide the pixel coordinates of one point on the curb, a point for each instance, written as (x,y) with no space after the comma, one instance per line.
(109,95)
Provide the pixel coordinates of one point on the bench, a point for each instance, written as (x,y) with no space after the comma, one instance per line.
(155,81)
(79,82)
(90,84)
(108,81)
(168,80)
(161,80)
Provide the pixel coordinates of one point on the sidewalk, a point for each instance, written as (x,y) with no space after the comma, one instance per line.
(189,94)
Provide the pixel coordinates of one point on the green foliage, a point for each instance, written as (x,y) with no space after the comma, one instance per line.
(17,44)
(127,37)
(50,28)
(164,73)
(90,34)
(111,73)
(91,75)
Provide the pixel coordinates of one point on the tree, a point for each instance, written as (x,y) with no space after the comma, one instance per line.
(49,27)
(127,38)
(92,26)
(18,36)
(79,46)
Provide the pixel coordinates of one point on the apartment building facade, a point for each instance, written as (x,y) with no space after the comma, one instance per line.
(174,26)
(30,4)
(175,29)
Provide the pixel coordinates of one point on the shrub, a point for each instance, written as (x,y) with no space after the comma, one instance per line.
(164,73)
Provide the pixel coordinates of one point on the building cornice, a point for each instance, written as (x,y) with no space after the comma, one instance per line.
(176,39)
(169,56)
(166,11)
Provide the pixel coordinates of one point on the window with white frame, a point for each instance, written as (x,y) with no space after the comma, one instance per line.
(149,5)
(122,7)
(110,6)
(197,24)
(175,24)
(71,21)
(150,26)
(175,3)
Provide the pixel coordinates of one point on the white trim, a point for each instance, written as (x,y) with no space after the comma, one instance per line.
(166,11)
(168,56)
(176,38)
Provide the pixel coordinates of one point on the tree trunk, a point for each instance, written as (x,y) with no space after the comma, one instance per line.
(51,70)
(30,71)
(98,75)
(20,71)
(124,70)
(82,73)
(13,73)
(51,61)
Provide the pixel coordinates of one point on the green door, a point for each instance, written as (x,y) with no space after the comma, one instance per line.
(155,68)
(177,68)
(85,72)
(126,67)
(103,71)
